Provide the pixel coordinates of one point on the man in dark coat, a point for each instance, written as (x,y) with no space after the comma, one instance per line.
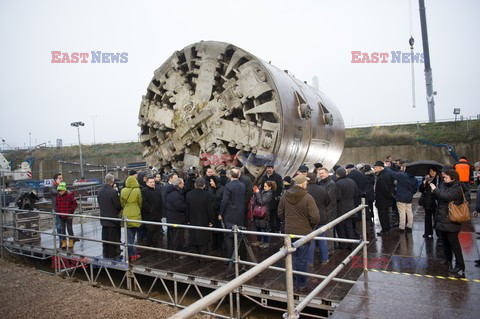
(152,210)
(176,214)
(216,192)
(232,207)
(200,213)
(109,204)
(384,188)
(331,188)
(247,182)
(271,175)
(359,179)
(346,192)
(319,194)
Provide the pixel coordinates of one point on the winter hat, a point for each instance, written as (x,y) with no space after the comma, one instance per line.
(348,166)
(62,186)
(300,179)
(341,172)
(379,163)
(303,168)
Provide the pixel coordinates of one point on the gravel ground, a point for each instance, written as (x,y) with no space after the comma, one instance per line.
(27,293)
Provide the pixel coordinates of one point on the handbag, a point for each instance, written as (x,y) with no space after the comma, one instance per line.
(421,200)
(459,213)
(260,211)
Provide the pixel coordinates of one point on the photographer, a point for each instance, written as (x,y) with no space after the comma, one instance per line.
(429,201)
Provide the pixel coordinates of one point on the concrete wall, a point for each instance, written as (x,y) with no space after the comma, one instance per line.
(409,152)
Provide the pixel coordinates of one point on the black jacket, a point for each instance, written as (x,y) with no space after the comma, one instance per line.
(176,206)
(331,188)
(109,204)
(361,182)
(319,194)
(447,193)
(370,187)
(247,182)
(384,189)
(152,205)
(199,213)
(346,192)
(264,198)
(430,198)
(232,205)
(274,178)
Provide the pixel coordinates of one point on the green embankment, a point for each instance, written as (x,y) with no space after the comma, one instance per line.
(444,133)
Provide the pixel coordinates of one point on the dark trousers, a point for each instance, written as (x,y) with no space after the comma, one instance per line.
(176,239)
(429,216)
(67,223)
(111,234)
(370,210)
(345,230)
(451,246)
(153,235)
(201,250)
(384,216)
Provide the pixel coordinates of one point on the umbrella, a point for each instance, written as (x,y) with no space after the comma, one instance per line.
(420,168)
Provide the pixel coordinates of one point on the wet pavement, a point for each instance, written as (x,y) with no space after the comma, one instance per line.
(408,287)
(411,280)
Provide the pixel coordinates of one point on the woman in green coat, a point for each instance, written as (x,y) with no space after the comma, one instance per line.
(131,200)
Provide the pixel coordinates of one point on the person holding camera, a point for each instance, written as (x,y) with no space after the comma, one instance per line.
(429,201)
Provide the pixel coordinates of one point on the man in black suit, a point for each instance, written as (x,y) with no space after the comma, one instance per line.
(200,213)
(384,188)
(232,206)
(152,210)
(346,192)
(109,204)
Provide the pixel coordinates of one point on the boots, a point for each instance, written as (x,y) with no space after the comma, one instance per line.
(70,243)
(64,243)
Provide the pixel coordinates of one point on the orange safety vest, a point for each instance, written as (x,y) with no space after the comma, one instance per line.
(463,169)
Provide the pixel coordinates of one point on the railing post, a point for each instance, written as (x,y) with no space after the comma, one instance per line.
(290,314)
(364,236)
(237,271)
(55,235)
(127,260)
(3,202)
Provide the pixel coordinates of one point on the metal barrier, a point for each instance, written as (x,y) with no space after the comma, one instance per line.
(285,252)
(234,285)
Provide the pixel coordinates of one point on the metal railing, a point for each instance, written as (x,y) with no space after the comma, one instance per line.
(235,284)
(285,252)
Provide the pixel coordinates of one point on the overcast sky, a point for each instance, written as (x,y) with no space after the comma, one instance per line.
(306,37)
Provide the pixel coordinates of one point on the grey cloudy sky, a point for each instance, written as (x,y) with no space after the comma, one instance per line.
(306,37)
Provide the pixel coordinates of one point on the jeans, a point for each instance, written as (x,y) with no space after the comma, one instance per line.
(59,229)
(322,246)
(299,261)
(263,238)
(131,232)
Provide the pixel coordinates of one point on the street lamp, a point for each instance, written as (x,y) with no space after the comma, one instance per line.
(93,117)
(77,125)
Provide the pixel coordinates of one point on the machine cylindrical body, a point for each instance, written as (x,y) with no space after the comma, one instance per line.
(213,104)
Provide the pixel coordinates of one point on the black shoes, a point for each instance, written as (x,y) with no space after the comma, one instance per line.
(457,270)
(408,230)
(382,233)
(428,236)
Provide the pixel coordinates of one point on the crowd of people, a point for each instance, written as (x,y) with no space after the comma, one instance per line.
(296,205)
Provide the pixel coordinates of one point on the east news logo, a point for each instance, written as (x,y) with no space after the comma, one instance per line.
(92,57)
